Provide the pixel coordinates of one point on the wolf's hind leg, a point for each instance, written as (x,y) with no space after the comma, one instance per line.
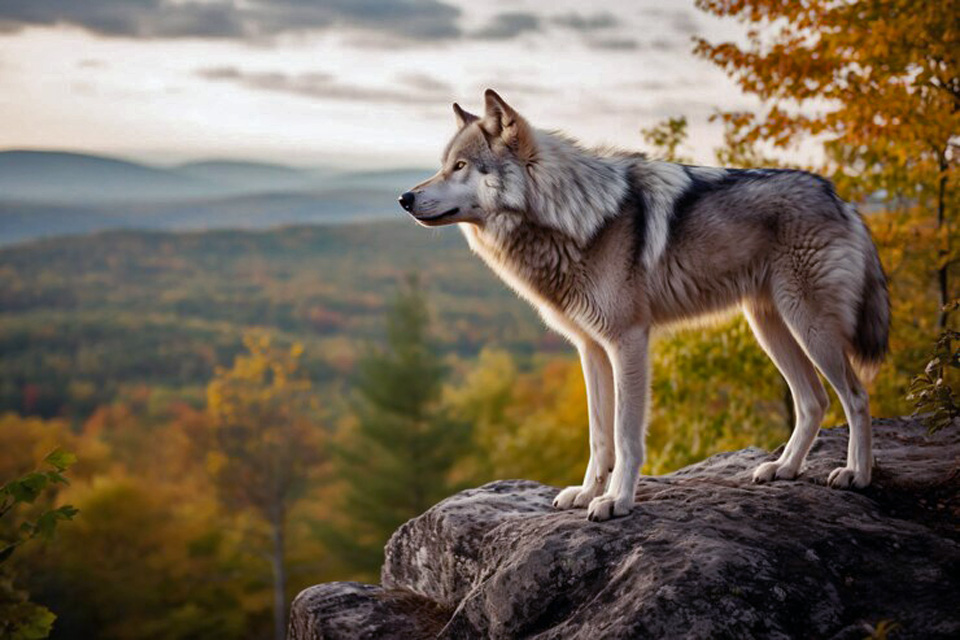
(809,397)
(857,471)
(628,357)
(598,376)
(825,344)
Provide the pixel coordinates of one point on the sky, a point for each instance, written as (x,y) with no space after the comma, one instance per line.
(353,83)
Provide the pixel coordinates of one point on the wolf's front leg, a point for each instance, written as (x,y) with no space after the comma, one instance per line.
(598,376)
(628,357)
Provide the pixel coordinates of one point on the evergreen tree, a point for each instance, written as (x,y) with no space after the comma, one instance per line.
(396,459)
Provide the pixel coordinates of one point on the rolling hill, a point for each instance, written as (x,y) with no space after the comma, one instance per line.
(46,193)
(72,178)
(252,177)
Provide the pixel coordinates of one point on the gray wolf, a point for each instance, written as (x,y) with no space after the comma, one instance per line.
(609,246)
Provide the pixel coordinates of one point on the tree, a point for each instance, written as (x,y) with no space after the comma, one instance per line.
(395,460)
(934,391)
(525,425)
(154,555)
(667,137)
(265,444)
(878,81)
(21,619)
(143,564)
(713,390)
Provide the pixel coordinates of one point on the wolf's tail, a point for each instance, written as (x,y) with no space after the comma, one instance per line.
(871,335)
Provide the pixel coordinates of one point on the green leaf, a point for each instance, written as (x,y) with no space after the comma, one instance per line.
(47,523)
(27,488)
(56,477)
(67,511)
(60,459)
(37,626)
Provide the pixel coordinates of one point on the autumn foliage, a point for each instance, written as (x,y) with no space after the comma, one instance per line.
(877,82)
(254,413)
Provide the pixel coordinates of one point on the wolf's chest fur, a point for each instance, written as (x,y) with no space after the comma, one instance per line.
(547,269)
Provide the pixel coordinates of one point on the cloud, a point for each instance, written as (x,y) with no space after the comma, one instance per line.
(142,19)
(664,45)
(509,88)
(413,19)
(325,86)
(614,44)
(424,82)
(371,21)
(681,21)
(583,22)
(674,83)
(684,23)
(506,26)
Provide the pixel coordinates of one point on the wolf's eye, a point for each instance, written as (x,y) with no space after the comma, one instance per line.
(459,165)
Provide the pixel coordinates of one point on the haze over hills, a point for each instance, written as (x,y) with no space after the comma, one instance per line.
(406,178)
(245,176)
(71,178)
(46,193)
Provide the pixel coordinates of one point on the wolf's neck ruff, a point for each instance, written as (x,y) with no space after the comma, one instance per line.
(574,192)
(537,247)
(566,178)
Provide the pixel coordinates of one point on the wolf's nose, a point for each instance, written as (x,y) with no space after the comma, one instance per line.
(406,201)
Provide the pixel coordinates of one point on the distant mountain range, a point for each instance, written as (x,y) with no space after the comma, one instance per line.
(252,176)
(56,193)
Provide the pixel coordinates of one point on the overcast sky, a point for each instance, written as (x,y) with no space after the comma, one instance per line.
(348,82)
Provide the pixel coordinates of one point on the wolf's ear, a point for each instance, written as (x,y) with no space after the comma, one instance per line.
(463,117)
(501,121)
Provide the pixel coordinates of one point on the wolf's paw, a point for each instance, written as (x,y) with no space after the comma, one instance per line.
(774,471)
(576,497)
(606,507)
(848,477)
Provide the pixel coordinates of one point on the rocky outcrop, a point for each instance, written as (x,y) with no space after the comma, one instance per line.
(705,554)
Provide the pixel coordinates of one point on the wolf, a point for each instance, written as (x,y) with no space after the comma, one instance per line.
(610,246)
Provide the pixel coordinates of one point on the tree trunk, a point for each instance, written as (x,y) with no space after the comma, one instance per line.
(941,221)
(279,576)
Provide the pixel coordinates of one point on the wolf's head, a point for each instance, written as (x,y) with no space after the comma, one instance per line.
(482,170)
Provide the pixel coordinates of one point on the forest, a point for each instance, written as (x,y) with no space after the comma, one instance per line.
(195,426)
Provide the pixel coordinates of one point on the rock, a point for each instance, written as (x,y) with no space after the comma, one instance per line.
(705,554)
(360,611)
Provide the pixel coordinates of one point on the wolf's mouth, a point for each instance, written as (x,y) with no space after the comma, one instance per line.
(453,211)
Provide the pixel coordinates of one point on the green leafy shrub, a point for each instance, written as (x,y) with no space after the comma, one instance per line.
(934,389)
(21,619)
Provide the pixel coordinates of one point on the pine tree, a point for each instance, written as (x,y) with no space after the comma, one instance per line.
(395,462)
